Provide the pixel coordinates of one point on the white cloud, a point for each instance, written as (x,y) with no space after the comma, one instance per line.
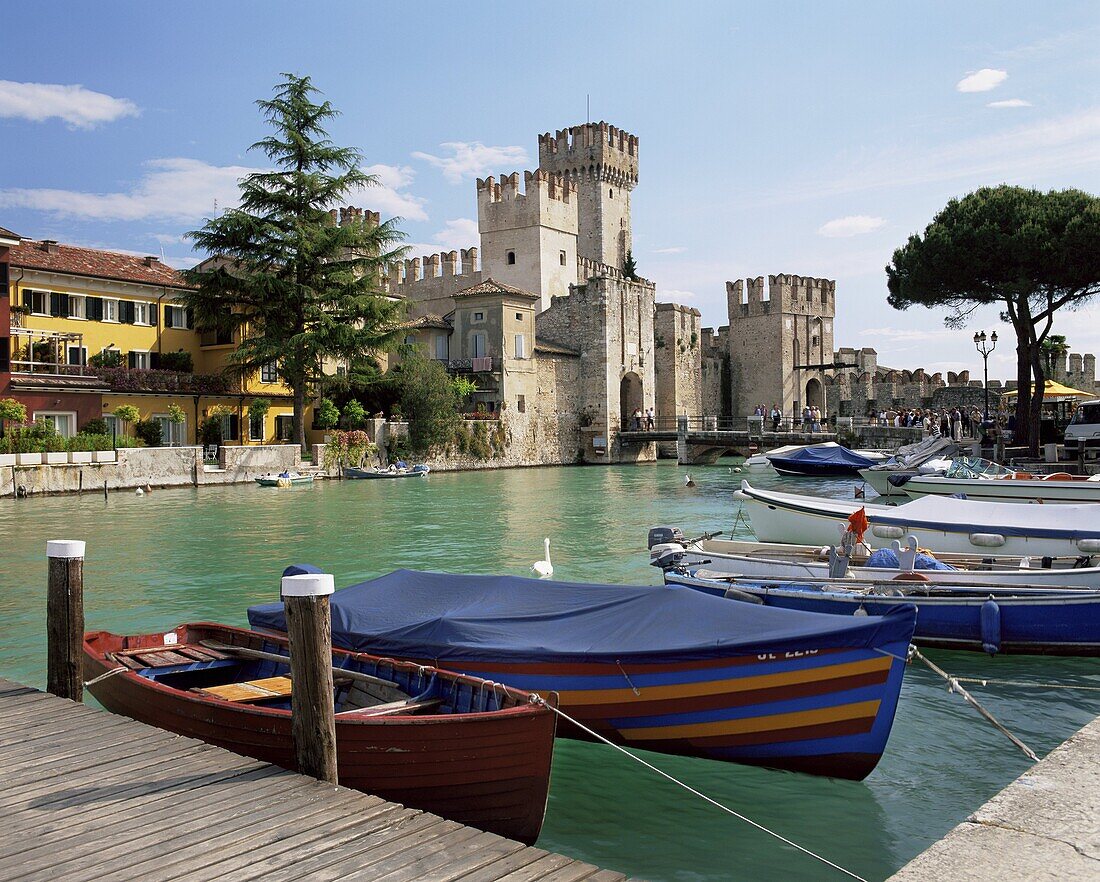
(169,238)
(472,159)
(1021,154)
(853,225)
(676,249)
(176,189)
(671,294)
(186,189)
(81,108)
(456,234)
(982,81)
(1010,102)
(389,196)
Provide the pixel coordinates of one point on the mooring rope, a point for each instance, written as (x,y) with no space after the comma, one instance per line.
(987,681)
(702,796)
(105,675)
(954,685)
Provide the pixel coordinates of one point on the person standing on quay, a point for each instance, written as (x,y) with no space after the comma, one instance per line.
(649,418)
(777,417)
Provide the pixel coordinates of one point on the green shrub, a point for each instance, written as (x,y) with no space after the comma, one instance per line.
(108,358)
(38,437)
(355,415)
(86,441)
(12,411)
(127,413)
(149,432)
(127,441)
(210,431)
(95,426)
(328,414)
(177,361)
(428,399)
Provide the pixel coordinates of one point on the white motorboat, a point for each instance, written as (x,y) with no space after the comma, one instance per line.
(760,463)
(930,456)
(741,559)
(942,523)
(1060,488)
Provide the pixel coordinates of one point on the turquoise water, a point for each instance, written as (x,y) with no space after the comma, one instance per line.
(181,555)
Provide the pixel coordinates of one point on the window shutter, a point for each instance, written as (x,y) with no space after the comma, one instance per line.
(154,314)
(55,303)
(190,313)
(93,308)
(131,359)
(234,427)
(154,360)
(168,313)
(28,299)
(126,311)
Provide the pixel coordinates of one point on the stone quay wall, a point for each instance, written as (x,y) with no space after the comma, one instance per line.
(149,466)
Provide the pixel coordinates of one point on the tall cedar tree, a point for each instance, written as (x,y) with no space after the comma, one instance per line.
(1032,253)
(290,285)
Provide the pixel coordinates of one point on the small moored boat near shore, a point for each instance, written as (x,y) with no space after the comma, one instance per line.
(417,471)
(284,479)
(458,746)
(662,668)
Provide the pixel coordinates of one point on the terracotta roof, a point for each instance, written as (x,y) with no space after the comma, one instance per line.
(553,348)
(94,263)
(5,233)
(492,286)
(430,320)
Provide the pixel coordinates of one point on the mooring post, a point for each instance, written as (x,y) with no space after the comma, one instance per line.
(312,710)
(65,618)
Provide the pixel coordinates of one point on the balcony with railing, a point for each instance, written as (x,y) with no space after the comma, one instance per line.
(46,352)
(489,364)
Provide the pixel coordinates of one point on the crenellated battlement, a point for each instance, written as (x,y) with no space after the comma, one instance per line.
(591,269)
(432,266)
(351,214)
(593,151)
(783,293)
(538,182)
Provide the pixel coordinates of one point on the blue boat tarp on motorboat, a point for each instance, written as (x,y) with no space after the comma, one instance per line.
(821,459)
(887,559)
(442,616)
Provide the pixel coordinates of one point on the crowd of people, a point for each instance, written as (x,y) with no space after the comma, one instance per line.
(955,423)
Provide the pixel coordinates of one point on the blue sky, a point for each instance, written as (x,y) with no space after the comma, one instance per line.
(796,137)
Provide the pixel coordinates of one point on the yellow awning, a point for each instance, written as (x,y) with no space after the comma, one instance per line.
(1052,389)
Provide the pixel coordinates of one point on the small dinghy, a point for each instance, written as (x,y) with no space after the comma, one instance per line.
(417,471)
(284,479)
(461,747)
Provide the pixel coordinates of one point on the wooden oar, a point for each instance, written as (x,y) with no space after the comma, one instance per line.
(285,659)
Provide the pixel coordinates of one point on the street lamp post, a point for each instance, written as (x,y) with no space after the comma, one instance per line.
(980,344)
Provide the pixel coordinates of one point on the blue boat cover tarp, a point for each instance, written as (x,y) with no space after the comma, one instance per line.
(887,558)
(434,616)
(826,455)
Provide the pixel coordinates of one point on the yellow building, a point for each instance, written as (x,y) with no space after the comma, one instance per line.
(90,330)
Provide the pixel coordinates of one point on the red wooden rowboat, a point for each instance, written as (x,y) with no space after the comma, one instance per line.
(458,746)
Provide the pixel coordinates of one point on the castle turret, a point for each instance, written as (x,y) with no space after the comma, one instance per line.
(602,161)
(529,237)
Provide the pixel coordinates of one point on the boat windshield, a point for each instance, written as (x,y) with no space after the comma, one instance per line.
(975,467)
(1086,413)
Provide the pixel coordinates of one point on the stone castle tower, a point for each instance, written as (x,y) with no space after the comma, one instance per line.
(602,161)
(771,332)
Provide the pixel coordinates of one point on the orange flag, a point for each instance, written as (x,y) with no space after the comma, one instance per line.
(858,523)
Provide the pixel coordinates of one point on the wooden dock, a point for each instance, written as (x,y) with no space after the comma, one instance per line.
(88,795)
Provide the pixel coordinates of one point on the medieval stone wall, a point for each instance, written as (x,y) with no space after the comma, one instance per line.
(677,362)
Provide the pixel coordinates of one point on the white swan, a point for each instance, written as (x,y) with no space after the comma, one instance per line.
(688,482)
(543,568)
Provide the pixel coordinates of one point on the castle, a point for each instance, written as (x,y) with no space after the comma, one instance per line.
(563,346)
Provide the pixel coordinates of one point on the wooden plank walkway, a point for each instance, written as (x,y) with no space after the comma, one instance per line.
(85,794)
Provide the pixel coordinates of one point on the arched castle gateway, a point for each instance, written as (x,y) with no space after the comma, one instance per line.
(540,313)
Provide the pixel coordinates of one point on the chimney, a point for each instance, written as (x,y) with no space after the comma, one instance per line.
(50,246)
(150,260)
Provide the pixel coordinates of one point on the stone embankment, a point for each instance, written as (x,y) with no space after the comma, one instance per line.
(152,466)
(1044,825)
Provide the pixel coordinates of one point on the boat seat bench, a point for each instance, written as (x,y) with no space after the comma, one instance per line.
(250,690)
(166,656)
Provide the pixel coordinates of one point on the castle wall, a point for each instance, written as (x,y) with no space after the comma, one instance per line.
(610,322)
(714,372)
(677,361)
(428,284)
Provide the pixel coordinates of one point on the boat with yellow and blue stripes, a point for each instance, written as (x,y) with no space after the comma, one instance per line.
(663,668)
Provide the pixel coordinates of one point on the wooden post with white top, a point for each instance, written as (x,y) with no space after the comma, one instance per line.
(313,714)
(65,618)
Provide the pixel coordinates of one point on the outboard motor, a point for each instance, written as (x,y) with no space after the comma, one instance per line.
(661,535)
(666,555)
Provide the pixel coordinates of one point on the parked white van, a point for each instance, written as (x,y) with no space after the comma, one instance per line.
(1084,428)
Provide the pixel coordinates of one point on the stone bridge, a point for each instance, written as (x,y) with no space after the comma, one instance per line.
(701,440)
